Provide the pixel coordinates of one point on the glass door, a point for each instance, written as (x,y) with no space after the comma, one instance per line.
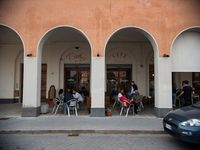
(77,78)
(120,78)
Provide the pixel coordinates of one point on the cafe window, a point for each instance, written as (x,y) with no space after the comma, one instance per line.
(78,78)
(196,82)
(119,76)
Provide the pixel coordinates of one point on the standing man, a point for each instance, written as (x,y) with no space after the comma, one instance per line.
(186,92)
(133,87)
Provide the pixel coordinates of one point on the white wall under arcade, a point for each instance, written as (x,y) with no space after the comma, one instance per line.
(138,55)
(8,56)
(185,52)
(63,53)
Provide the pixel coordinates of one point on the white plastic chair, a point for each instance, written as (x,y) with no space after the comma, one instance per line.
(59,105)
(124,107)
(140,107)
(55,101)
(116,101)
(72,104)
(131,105)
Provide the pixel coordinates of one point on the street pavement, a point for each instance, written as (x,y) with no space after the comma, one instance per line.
(92,142)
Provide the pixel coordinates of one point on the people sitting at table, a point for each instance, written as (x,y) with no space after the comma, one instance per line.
(77,96)
(67,97)
(136,99)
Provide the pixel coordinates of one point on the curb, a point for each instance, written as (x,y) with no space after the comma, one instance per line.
(67,131)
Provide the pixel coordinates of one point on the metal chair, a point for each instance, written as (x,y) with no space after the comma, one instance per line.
(131,105)
(140,107)
(124,107)
(59,105)
(71,105)
(116,101)
(138,110)
(56,102)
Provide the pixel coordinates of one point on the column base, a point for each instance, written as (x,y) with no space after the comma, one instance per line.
(31,112)
(97,112)
(161,112)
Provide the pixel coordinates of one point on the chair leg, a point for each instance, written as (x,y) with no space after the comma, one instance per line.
(121,111)
(76,111)
(53,108)
(68,111)
(57,109)
(140,108)
(65,107)
(77,105)
(114,104)
(127,111)
(142,104)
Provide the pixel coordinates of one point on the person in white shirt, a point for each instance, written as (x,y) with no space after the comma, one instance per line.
(77,96)
(120,94)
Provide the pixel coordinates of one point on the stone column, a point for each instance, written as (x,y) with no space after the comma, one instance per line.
(32,86)
(163,86)
(98,87)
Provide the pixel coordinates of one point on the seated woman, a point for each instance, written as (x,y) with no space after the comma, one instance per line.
(124,99)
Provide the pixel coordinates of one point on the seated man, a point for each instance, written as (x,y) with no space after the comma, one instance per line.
(124,99)
(114,93)
(67,97)
(77,96)
(136,99)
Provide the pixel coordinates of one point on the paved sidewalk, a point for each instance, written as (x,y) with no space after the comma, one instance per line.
(109,125)
(12,122)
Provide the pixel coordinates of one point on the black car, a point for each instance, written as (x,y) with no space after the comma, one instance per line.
(184,123)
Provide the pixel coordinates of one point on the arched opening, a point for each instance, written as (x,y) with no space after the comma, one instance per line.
(11,60)
(129,56)
(65,52)
(185,62)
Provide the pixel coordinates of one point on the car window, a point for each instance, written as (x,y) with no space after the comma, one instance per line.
(197,104)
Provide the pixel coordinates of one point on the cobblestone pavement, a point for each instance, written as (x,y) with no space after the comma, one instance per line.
(91,142)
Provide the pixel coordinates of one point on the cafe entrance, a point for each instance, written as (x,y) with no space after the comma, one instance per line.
(120,76)
(77,77)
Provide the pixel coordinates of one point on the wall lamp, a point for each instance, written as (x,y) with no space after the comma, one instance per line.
(76,47)
(29,55)
(165,55)
(98,55)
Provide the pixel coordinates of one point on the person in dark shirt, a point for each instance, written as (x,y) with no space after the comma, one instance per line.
(134,87)
(114,93)
(186,92)
(67,97)
(174,91)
